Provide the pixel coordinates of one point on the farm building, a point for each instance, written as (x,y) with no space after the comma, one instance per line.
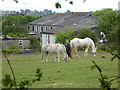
(46,26)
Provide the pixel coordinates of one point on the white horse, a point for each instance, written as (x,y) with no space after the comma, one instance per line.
(85,43)
(53,48)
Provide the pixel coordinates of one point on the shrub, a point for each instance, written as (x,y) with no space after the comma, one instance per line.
(86,32)
(12,49)
(35,44)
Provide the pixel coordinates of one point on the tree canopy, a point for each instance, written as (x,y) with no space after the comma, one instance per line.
(109,24)
(64,37)
(15,25)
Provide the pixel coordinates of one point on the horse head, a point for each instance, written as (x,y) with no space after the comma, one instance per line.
(94,52)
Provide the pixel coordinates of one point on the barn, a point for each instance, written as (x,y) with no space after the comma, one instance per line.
(45,27)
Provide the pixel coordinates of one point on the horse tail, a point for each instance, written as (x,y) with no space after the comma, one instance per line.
(71,51)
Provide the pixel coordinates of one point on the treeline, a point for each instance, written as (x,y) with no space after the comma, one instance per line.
(30,12)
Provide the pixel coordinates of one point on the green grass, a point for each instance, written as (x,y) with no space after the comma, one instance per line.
(76,73)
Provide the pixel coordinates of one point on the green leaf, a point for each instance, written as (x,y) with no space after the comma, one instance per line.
(93,67)
(71,2)
(58,5)
(113,58)
(16,1)
(105,77)
(6,80)
(24,83)
(84,1)
(38,74)
(37,71)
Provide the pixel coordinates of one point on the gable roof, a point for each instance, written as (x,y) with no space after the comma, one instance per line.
(76,20)
(63,19)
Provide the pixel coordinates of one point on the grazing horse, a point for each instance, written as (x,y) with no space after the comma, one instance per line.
(68,50)
(53,48)
(85,43)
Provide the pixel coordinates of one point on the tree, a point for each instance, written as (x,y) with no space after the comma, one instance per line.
(108,23)
(15,25)
(11,26)
(86,32)
(63,37)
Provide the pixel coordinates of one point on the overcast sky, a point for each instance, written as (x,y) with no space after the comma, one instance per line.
(40,5)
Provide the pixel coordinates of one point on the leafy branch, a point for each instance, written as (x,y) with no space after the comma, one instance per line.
(24,84)
(104,83)
(57,5)
(11,70)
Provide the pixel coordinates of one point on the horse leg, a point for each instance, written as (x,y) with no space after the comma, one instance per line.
(76,53)
(42,56)
(58,58)
(47,56)
(86,52)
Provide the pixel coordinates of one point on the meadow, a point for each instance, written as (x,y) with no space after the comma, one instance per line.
(76,73)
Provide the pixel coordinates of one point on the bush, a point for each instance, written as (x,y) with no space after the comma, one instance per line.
(13,49)
(86,32)
(35,44)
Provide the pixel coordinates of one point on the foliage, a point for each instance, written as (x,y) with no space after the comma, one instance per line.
(26,83)
(107,19)
(104,83)
(12,49)
(108,23)
(11,25)
(28,18)
(15,26)
(58,5)
(8,82)
(86,32)
(34,43)
(63,37)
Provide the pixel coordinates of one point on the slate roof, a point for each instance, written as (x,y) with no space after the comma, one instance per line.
(74,19)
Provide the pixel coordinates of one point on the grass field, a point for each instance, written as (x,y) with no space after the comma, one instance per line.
(76,73)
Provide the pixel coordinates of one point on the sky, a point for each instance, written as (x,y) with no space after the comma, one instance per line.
(40,5)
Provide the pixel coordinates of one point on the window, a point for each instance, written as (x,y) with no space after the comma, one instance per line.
(37,28)
(20,42)
(28,27)
(41,29)
(46,28)
(33,28)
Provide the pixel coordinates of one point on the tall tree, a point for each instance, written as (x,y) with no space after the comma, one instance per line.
(108,23)
(11,26)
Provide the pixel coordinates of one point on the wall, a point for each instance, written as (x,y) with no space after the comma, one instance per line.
(7,43)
